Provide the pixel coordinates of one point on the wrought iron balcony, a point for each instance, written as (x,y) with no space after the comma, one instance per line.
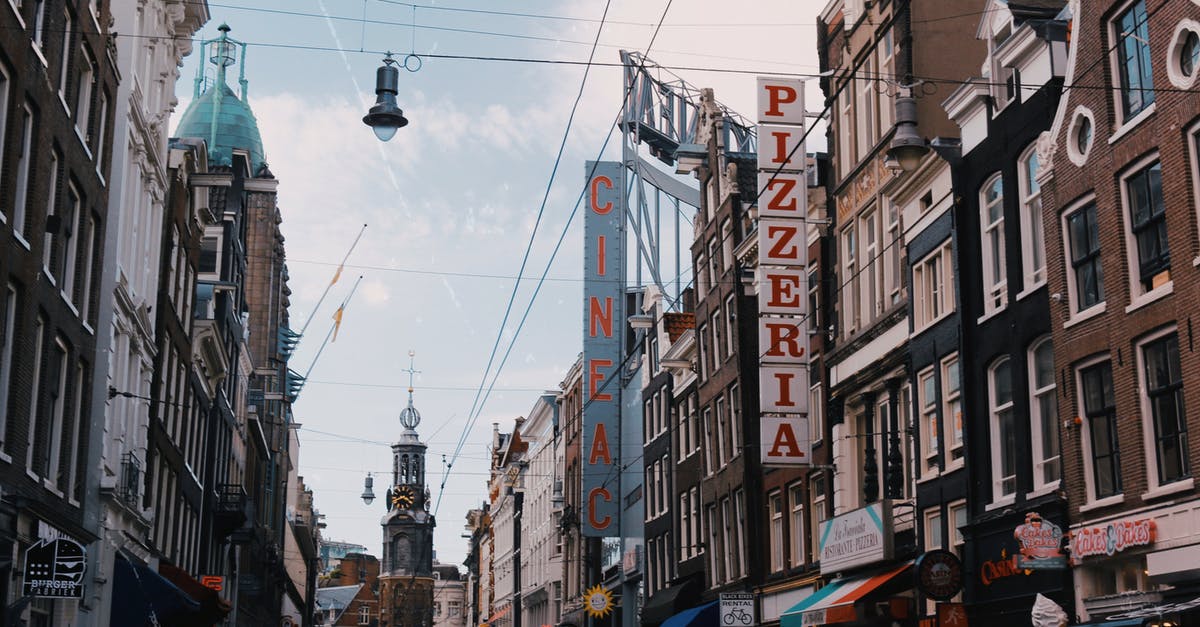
(129,485)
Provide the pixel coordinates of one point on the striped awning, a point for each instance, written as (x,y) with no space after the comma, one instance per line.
(834,603)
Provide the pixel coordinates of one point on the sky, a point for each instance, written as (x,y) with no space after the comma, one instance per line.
(451,203)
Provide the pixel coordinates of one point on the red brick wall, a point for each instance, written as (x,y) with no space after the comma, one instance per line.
(1115,331)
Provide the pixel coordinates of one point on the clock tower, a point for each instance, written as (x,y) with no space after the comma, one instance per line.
(406,580)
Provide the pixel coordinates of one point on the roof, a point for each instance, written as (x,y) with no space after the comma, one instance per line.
(226,122)
(337,597)
(678,323)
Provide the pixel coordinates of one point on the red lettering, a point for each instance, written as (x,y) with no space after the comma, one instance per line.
(785,391)
(779,95)
(599,450)
(595,195)
(781,249)
(601,255)
(779,200)
(781,151)
(784,290)
(596,377)
(598,523)
(784,443)
(600,317)
(782,334)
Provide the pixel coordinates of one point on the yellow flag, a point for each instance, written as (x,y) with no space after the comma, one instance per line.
(337,275)
(337,322)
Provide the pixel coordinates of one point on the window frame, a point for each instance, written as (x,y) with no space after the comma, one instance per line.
(996,411)
(1038,426)
(1152,436)
(776,532)
(993,252)
(930,445)
(849,297)
(38,356)
(1124,110)
(931,526)
(1092,257)
(24,166)
(1033,236)
(797,522)
(1089,415)
(954,447)
(1141,285)
(7,350)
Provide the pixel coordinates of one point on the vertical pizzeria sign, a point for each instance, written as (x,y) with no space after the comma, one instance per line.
(782,275)
(603,323)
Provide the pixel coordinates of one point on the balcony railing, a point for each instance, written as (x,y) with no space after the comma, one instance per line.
(129,486)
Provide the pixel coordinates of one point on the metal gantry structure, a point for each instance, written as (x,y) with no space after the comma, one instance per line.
(662,112)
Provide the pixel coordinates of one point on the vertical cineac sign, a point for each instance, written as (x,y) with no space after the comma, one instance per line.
(603,325)
(782,275)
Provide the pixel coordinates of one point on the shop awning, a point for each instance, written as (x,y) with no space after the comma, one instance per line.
(139,591)
(835,602)
(699,616)
(664,603)
(1129,622)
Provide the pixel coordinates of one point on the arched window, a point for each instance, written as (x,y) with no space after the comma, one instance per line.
(1043,415)
(1003,430)
(1033,241)
(991,224)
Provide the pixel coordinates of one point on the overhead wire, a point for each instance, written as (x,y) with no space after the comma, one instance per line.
(473,414)
(553,254)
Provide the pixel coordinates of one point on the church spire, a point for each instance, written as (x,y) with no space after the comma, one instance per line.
(410,417)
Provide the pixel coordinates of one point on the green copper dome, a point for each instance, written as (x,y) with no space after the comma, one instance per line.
(226,122)
(219,116)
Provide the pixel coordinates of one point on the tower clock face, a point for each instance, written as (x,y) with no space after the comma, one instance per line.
(403,497)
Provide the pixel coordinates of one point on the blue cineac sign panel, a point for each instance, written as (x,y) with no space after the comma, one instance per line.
(603,324)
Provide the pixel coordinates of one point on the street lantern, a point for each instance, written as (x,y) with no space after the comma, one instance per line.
(385,118)
(907,147)
(368,495)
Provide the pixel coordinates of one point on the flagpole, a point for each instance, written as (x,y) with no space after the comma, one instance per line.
(337,323)
(336,275)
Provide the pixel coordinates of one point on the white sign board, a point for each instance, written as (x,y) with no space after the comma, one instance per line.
(863,536)
(737,609)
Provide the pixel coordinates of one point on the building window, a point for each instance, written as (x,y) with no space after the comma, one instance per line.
(697,524)
(39,23)
(871,262)
(1163,398)
(39,331)
(816,414)
(99,136)
(991,220)
(364,614)
(952,416)
(816,491)
(702,345)
(64,61)
(735,421)
(5,87)
(730,325)
(849,281)
(1148,224)
(714,537)
(933,283)
(24,166)
(958,520)
(7,342)
(83,93)
(709,453)
(892,242)
(796,498)
(714,263)
(930,432)
(1100,414)
(48,244)
(1131,31)
(722,420)
(716,322)
(776,504)
(1003,428)
(52,468)
(1043,408)
(726,244)
(685,527)
(933,528)
(1033,248)
(72,212)
(739,532)
(1083,235)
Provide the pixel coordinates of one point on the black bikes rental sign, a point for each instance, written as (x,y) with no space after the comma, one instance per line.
(54,568)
